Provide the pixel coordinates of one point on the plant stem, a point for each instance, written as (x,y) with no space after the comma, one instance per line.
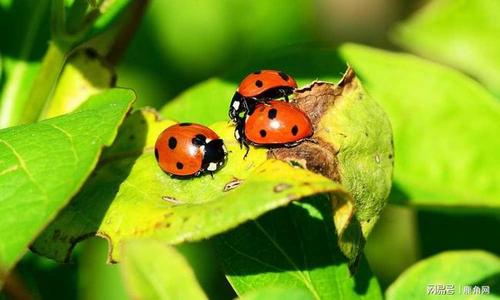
(44,83)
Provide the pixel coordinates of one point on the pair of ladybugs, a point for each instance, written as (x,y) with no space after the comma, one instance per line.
(190,149)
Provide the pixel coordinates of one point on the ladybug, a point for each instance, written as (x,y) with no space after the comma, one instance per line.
(188,150)
(274,123)
(260,86)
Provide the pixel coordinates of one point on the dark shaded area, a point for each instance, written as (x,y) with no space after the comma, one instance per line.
(441,231)
(14,22)
(398,195)
(202,258)
(42,279)
(305,243)
(492,281)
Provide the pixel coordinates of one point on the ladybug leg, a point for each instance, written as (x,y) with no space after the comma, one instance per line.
(271,150)
(247,149)
(285,95)
(239,132)
(311,140)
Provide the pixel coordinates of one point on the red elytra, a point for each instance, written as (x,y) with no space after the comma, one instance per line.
(181,150)
(277,122)
(262,81)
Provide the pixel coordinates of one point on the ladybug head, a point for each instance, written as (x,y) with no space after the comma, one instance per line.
(215,155)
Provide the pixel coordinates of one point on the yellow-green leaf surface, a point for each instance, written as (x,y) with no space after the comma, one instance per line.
(129,196)
(43,165)
(460,33)
(462,270)
(154,270)
(293,247)
(445,129)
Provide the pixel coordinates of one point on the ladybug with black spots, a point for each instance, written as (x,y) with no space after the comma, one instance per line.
(188,150)
(257,87)
(274,123)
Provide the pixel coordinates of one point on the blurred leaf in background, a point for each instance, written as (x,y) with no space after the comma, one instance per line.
(457,268)
(22,48)
(154,270)
(461,33)
(445,129)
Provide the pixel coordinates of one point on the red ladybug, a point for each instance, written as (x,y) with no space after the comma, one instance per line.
(260,86)
(188,149)
(274,123)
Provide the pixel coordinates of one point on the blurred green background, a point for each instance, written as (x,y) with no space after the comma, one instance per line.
(182,42)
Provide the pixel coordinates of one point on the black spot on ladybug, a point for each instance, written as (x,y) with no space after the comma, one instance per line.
(272,113)
(199,140)
(262,133)
(157,155)
(179,165)
(259,83)
(283,76)
(295,130)
(185,124)
(257,72)
(172,143)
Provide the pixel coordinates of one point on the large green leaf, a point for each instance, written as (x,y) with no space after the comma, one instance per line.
(461,33)
(129,196)
(44,164)
(459,271)
(293,247)
(445,129)
(154,270)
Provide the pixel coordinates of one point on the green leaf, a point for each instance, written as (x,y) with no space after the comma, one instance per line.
(460,33)
(44,164)
(208,102)
(445,129)
(461,269)
(273,293)
(293,247)
(153,270)
(129,196)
